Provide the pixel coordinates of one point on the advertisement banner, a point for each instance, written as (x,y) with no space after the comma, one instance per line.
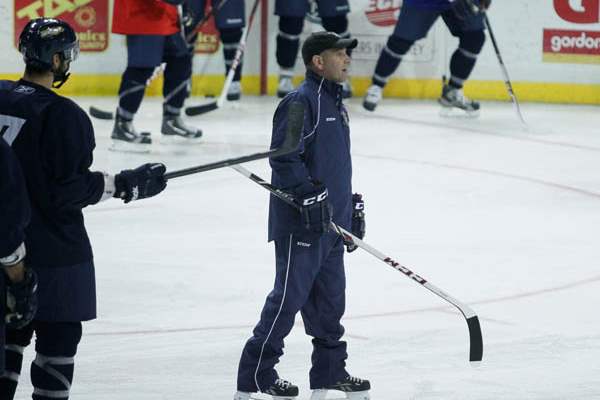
(208,35)
(89,18)
(577,46)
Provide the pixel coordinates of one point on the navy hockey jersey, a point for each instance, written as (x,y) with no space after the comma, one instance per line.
(14,202)
(53,139)
(323,155)
(432,4)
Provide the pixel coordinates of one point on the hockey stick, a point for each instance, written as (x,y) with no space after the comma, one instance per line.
(507,83)
(109,115)
(476,341)
(213,105)
(290,143)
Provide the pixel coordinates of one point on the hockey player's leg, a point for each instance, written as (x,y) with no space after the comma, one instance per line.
(175,88)
(144,54)
(388,62)
(52,368)
(413,24)
(287,46)
(16,341)
(297,263)
(231,39)
(471,39)
(322,314)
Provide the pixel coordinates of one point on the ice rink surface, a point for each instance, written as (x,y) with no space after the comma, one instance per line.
(504,219)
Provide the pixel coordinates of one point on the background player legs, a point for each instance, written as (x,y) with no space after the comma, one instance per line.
(231,39)
(144,54)
(175,90)
(471,36)
(287,46)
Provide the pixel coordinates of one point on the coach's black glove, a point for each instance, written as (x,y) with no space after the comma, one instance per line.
(358,221)
(315,210)
(21,300)
(145,181)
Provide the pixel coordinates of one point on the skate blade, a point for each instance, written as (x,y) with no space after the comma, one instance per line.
(454,112)
(321,394)
(179,140)
(268,397)
(126,147)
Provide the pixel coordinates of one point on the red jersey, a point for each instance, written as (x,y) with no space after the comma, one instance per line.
(144,17)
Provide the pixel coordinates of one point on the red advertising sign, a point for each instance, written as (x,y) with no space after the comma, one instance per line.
(89,18)
(579,12)
(571,45)
(383,12)
(561,45)
(208,34)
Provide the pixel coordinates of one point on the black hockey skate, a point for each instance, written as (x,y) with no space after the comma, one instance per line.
(353,388)
(126,138)
(175,130)
(454,102)
(280,390)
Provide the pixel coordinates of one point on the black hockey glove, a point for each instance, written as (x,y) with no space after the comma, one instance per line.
(145,181)
(315,210)
(21,300)
(358,221)
(174,2)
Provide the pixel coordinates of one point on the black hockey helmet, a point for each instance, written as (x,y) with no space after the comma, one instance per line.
(43,37)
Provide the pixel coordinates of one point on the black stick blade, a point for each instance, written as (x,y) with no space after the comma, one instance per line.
(101,114)
(476,350)
(294,129)
(201,109)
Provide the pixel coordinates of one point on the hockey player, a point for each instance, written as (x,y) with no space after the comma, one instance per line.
(230,22)
(415,20)
(309,258)
(53,140)
(291,14)
(17,283)
(154,35)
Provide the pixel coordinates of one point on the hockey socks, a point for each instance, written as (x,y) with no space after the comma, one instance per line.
(390,58)
(464,58)
(288,41)
(231,39)
(178,74)
(133,86)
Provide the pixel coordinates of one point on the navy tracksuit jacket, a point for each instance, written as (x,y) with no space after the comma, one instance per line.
(310,274)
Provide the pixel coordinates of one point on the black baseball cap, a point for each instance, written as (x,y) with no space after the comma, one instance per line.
(318,42)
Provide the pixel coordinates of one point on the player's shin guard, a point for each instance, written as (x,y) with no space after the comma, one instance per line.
(231,39)
(12,371)
(176,85)
(51,377)
(133,86)
(390,58)
(464,58)
(288,41)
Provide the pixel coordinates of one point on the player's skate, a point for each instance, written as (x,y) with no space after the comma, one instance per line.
(346,89)
(280,390)
(285,85)
(234,92)
(353,388)
(174,130)
(126,138)
(373,97)
(454,103)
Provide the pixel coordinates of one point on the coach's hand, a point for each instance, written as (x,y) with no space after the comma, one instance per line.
(315,210)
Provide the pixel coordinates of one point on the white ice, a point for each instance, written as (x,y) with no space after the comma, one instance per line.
(502,218)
